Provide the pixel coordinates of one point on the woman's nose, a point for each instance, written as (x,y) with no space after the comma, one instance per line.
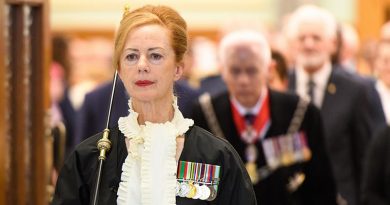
(143,65)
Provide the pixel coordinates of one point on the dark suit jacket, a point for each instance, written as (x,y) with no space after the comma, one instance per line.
(92,117)
(213,85)
(348,129)
(186,96)
(318,187)
(376,180)
(69,118)
(377,114)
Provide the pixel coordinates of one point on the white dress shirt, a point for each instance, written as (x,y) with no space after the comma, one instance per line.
(253,110)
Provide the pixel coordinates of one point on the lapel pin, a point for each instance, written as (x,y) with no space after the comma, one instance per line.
(332,88)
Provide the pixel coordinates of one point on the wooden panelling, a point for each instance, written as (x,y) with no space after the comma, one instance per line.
(3,110)
(40,131)
(19,152)
(24,63)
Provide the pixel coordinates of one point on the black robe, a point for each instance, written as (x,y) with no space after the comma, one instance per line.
(77,178)
(318,187)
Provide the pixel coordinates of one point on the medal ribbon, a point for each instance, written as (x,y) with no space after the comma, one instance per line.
(198,172)
(261,122)
(285,150)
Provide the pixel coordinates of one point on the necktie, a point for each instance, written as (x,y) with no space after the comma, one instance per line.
(310,89)
(249,118)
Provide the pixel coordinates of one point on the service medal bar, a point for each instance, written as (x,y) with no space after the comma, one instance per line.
(197,180)
(286,150)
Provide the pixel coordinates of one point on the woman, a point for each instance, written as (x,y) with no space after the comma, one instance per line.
(157,156)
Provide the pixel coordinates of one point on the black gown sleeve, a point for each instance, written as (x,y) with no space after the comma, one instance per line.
(76,176)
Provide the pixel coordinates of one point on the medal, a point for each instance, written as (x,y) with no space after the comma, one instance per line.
(192,191)
(198,192)
(298,153)
(277,152)
(251,168)
(296,181)
(177,188)
(184,189)
(205,192)
(306,151)
(249,134)
(287,157)
(251,153)
(213,193)
(193,178)
(290,149)
(269,152)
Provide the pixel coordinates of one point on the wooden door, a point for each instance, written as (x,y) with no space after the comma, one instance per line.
(24,101)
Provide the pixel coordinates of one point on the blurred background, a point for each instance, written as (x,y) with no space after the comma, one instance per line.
(90,26)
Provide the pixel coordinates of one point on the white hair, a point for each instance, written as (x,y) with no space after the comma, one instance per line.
(242,37)
(311,13)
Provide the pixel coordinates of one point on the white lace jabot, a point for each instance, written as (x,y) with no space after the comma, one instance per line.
(149,171)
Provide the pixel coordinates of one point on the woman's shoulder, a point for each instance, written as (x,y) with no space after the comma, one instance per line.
(206,144)
(88,148)
(204,137)
(89,145)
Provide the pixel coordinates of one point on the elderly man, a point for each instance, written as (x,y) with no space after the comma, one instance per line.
(278,136)
(341,97)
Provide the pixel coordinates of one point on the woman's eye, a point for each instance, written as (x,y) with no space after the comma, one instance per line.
(155,57)
(131,57)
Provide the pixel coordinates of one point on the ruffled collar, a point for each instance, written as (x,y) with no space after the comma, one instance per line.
(130,128)
(149,171)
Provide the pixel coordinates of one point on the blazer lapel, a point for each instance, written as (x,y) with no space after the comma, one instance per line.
(225,117)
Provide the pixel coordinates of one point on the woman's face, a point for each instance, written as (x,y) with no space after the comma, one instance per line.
(148,67)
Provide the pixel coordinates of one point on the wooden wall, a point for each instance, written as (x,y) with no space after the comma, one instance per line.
(371,15)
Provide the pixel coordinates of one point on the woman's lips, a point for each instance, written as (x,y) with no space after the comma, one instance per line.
(143,83)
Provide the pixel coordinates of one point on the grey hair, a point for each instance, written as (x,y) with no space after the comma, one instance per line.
(311,13)
(241,37)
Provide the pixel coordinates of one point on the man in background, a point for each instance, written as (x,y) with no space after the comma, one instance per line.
(278,136)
